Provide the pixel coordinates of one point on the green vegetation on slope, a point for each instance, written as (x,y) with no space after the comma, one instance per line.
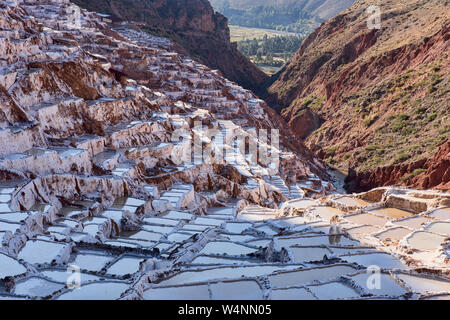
(270,53)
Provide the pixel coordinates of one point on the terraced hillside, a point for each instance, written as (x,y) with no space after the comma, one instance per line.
(104,195)
(193,26)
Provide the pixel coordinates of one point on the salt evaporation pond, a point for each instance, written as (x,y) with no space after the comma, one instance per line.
(36,287)
(96,291)
(425,240)
(333,290)
(291,278)
(124,266)
(230,248)
(291,294)
(187,277)
(37,251)
(200,292)
(10,267)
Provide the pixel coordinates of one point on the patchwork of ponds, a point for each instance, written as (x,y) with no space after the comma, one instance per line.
(222,255)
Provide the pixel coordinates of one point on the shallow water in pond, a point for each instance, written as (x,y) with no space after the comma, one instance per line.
(221,211)
(70,211)
(36,287)
(440,297)
(260,243)
(352,202)
(363,230)
(366,218)
(302,204)
(208,222)
(94,220)
(127,265)
(326,213)
(239,290)
(158,229)
(214,260)
(14,217)
(441,214)
(332,291)
(62,276)
(267,230)
(382,260)
(237,227)
(5,198)
(387,285)
(238,238)
(91,262)
(425,241)
(394,234)
(178,293)
(91,229)
(193,227)
(161,221)
(179,237)
(96,291)
(314,241)
(306,276)
(10,267)
(309,254)
(255,217)
(222,273)
(440,227)
(222,247)
(291,294)
(124,201)
(141,235)
(425,285)
(393,213)
(413,223)
(36,251)
(175,215)
(115,215)
(4,207)
(5,226)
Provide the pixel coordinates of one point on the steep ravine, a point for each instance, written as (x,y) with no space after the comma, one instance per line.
(374,102)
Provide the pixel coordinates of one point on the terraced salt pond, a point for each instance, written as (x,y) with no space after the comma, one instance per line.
(10,267)
(37,251)
(425,240)
(292,278)
(442,228)
(392,213)
(229,248)
(96,291)
(200,276)
(352,202)
(225,256)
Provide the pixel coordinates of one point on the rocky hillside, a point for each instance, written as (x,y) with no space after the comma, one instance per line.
(193,25)
(373,100)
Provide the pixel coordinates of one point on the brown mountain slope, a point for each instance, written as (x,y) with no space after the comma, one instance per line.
(193,25)
(365,99)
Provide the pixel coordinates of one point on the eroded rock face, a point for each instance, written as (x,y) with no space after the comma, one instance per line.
(422,174)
